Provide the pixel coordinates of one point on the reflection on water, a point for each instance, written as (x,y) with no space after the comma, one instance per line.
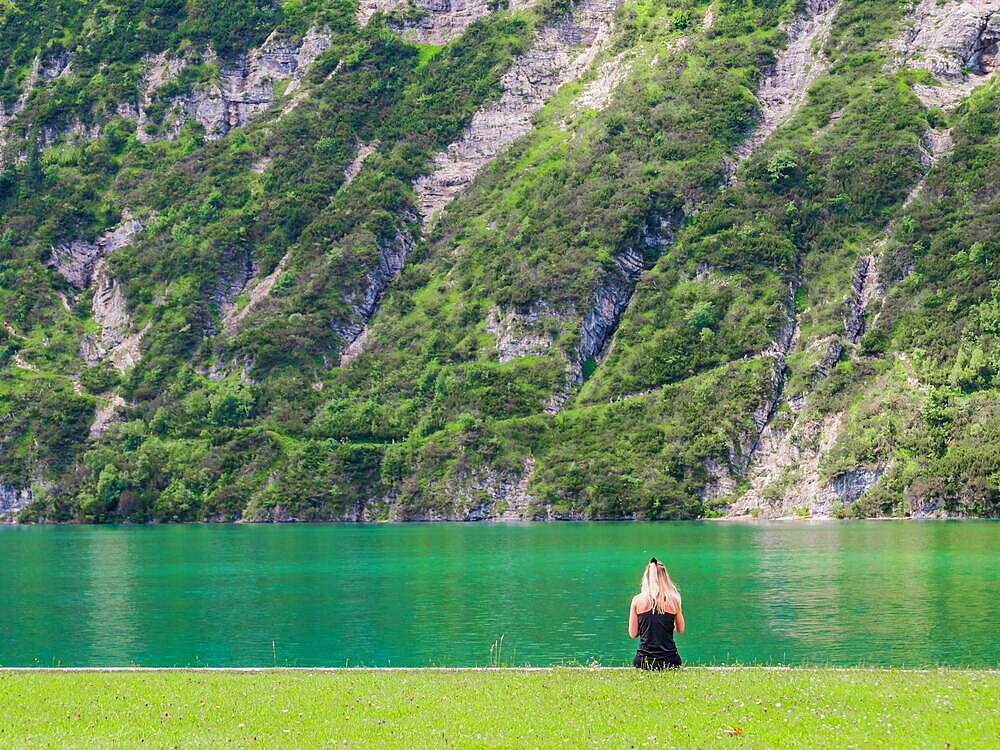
(901,593)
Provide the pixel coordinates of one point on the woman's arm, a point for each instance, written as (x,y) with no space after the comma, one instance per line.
(633,621)
(679,619)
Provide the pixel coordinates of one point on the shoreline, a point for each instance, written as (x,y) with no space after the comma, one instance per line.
(498,670)
(746,519)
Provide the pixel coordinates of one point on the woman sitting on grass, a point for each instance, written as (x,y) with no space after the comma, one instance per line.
(653,617)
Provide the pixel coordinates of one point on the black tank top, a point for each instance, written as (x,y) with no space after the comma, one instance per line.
(656,636)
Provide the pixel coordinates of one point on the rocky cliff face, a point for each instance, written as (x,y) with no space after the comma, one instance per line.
(786,467)
(487,494)
(781,93)
(754,453)
(111,313)
(83,264)
(354,168)
(9,111)
(866,396)
(117,342)
(240,271)
(562,51)
(258,290)
(785,470)
(611,297)
(107,413)
(610,300)
(596,94)
(783,88)
(787,475)
(363,304)
(245,87)
(12,500)
(783,465)
(522,334)
(432,21)
(957,42)
(240,277)
(76,260)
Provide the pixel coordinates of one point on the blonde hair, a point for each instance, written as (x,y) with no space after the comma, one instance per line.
(656,584)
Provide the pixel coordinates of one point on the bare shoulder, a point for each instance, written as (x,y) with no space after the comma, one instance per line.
(641,603)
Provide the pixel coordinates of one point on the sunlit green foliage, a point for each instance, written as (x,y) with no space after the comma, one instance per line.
(257,419)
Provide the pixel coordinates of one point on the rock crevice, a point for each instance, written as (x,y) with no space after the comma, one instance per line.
(392,256)
(83,265)
(611,298)
(76,260)
(784,466)
(257,289)
(240,273)
(116,342)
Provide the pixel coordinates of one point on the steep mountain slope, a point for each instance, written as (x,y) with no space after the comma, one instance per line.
(650,259)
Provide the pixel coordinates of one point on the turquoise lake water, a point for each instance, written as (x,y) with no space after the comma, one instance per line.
(881,592)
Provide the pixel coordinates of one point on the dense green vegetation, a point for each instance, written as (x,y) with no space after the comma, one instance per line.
(792,708)
(938,331)
(256,419)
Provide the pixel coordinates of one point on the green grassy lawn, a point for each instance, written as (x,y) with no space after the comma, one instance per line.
(617,708)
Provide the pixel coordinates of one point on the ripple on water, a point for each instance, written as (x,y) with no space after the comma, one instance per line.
(898,593)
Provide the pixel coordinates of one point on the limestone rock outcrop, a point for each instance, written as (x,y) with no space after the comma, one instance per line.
(597,93)
(611,297)
(245,87)
(257,289)
(562,51)
(364,303)
(784,87)
(958,42)
(76,260)
(785,467)
(354,168)
(9,111)
(787,476)
(116,342)
(82,263)
(610,300)
(431,21)
(851,485)
(479,495)
(721,482)
(107,413)
(494,494)
(13,499)
(521,334)
(239,272)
